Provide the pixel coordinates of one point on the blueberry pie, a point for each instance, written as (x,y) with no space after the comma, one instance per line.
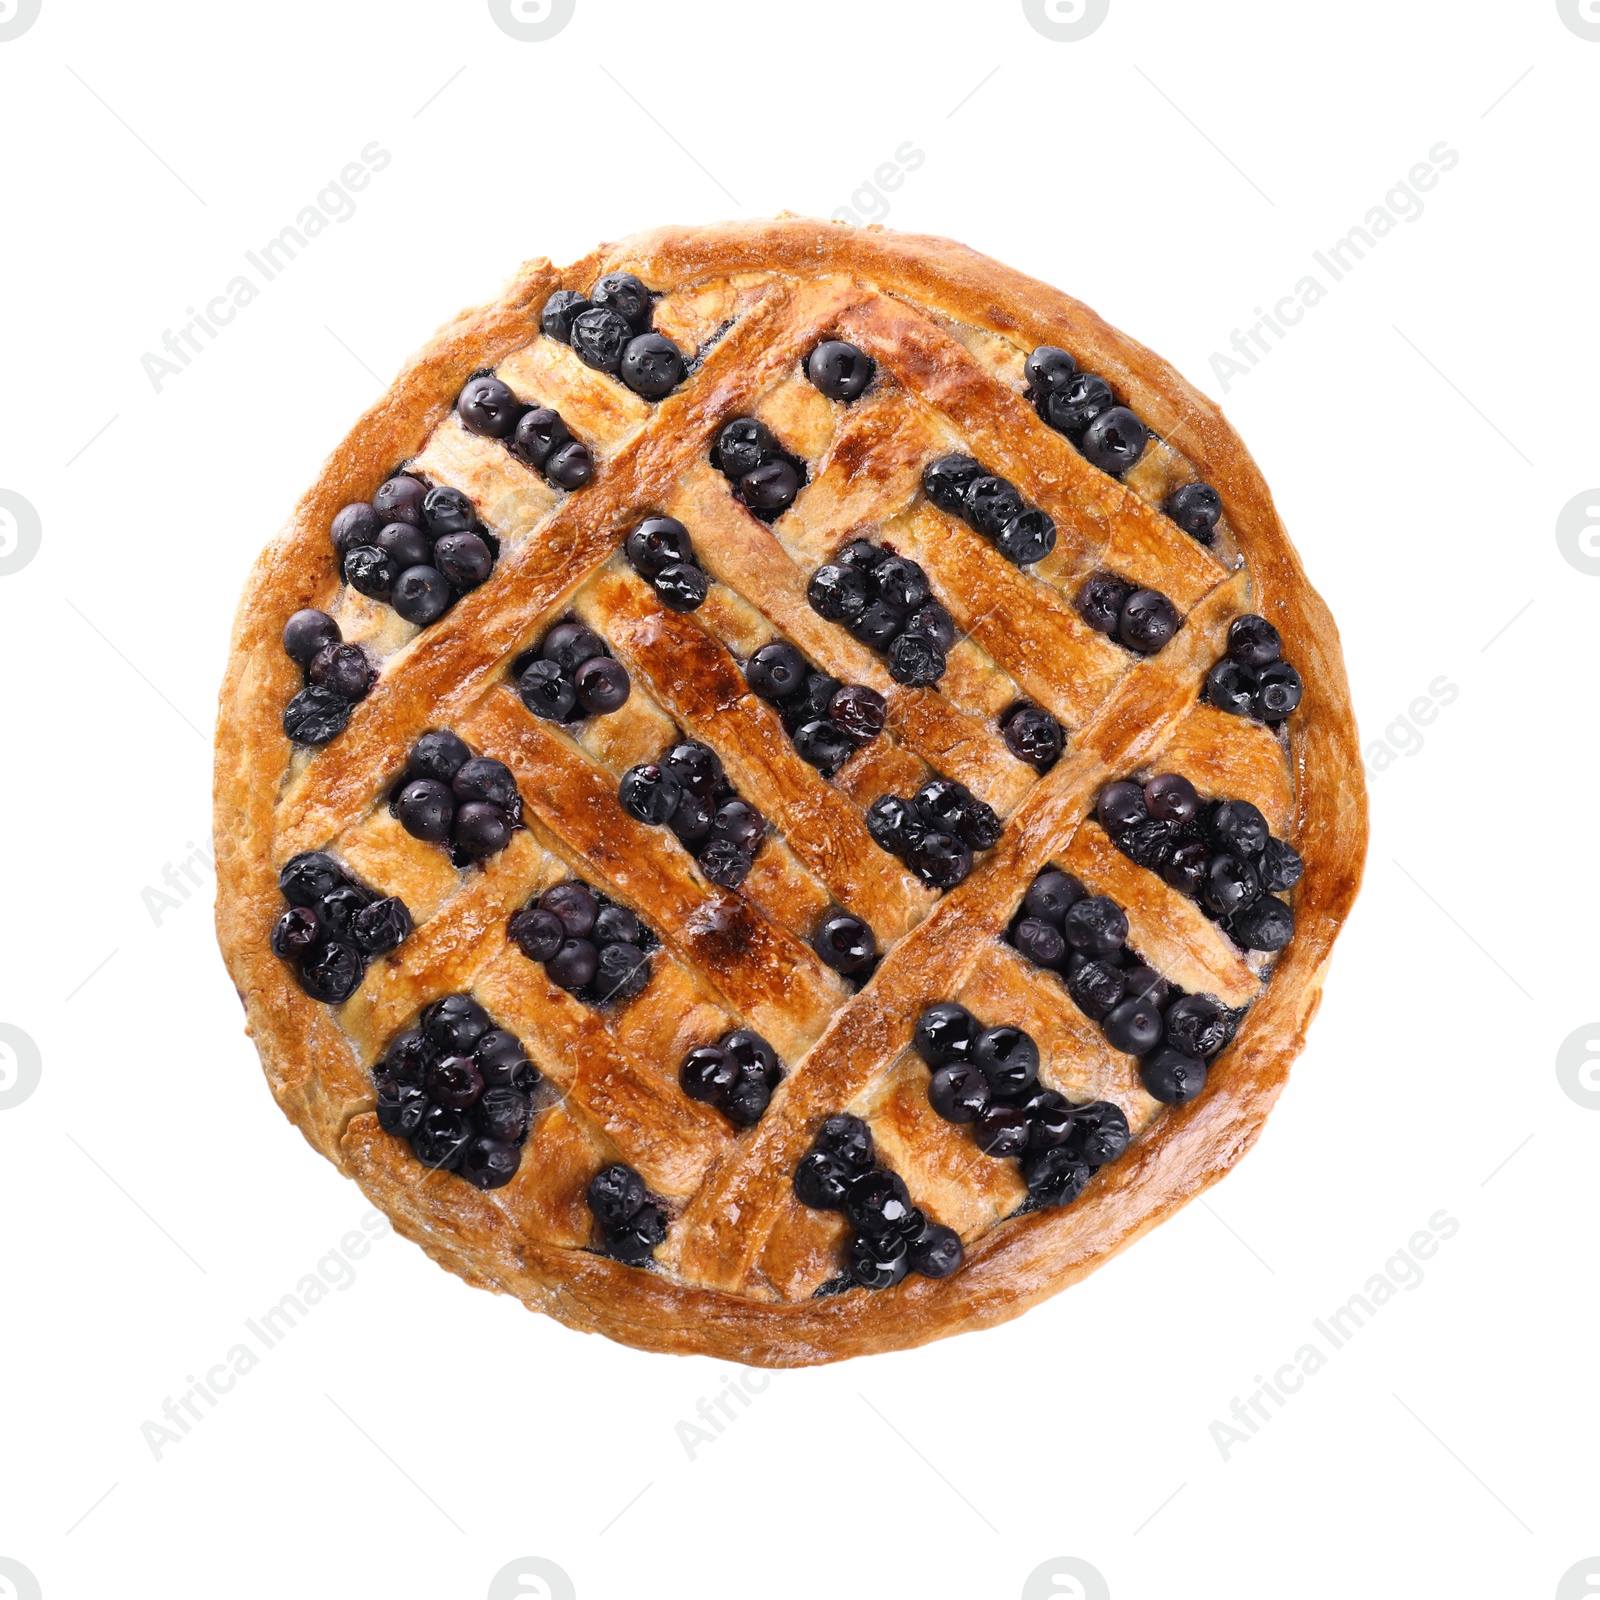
(783,795)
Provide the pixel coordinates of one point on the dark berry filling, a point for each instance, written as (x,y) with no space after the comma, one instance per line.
(1141,620)
(1253,680)
(570,675)
(841,371)
(936,831)
(448,796)
(632,1221)
(892,1236)
(588,944)
(1023,534)
(688,791)
(535,434)
(334,925)
(660,551)
(737,1075)
(827,720)
(337,676)
(765,476)
(884,601)
(610,330)
(1033,735)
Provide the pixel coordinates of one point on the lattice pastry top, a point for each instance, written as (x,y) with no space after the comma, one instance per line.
(784,794)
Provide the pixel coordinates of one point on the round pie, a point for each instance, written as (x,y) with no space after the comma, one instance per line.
(784,794)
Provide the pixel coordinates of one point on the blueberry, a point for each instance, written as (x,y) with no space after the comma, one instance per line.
(1280,866)
(602,686)
(426,810)
(1253,642)
(1052,895)
(1196,1026)
(344,669)
(1114,440)
(574,905)
(442,1138)
(455,1081)
(1056,1177)
(489,1163)
(315,715)
(1172,1078)
(1051,1121)
(681,587)
(845,943)
(738,822)
(978,825)
(464,559)
(1150,843)
(1145,983)
(770,488)
(1101,599)
(658,543)
(840,370)
(878,624)
(1265,924)
(895,824)
(1170,797)
(615,1193)
(945,1034)
(483,778)
(401,1108)
(1278,692)
(421,595)
(652,366)
(848,1138)
(408,1057)
(1076,404)
(933,622)
(695,766)
(447,510)
(859,711)
(538,934)
(959,1092)
(555,320)
(824,744)
(916,661)
(381,927)
(614,924)
(547,692)
(295,932)
(574,965)
(747,1099)
(1028,537)
(625,294)
(339,908)
(570,644)
(306,633)
(635,1242)
(1048,369)
(877,1202)
(942,803)
(404,545)
(309,878)
(621,972)
(1238,826)
(569,465)
(455,1023)
(776,670)
(1185,868)
(936,1251)
(744,444)
(822,1180)
(1040,942)
(649,793)
(1135,1026)
(1195,508)
(1008,1058)
(902,584)
(991,503)
(940,860)
(1001,1131)
(1121,805)
(332,972)
(488,407)
(1097,988)
(438,754)
(1232,688)
(724,863)
(400,499)
(356,523)
(707,1074)
(1102,1132)
(878,1263)
(837,593)
(1230,885)
(1034,736)
(1147,622)
(503,1062)
(754,1054)
(691,818)
(370,571)
(539,434)
(600,336)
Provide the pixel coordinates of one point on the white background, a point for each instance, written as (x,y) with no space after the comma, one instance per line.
(1422,429)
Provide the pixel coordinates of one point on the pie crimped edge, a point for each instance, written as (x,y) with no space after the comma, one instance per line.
(310,1065)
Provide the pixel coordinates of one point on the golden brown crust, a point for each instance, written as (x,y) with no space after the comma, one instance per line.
(742,1249)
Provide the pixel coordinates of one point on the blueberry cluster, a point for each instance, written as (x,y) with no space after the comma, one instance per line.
(460,1090)
(632,1221)
(534,434)
(337,676)
(892,1237)
(841,371)
(936,831)
(765,476)
(1084,938)
(989,1078)
(1219,852)
(1033,735)
(1141,620)
(688,791)
(570,675)
(661,552)
(588,944)
(1253,679)
(334,926)
(737,1075)
(827,720)
(884,602)
(992,506)
(447,795)
(610,330)
(420,549)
